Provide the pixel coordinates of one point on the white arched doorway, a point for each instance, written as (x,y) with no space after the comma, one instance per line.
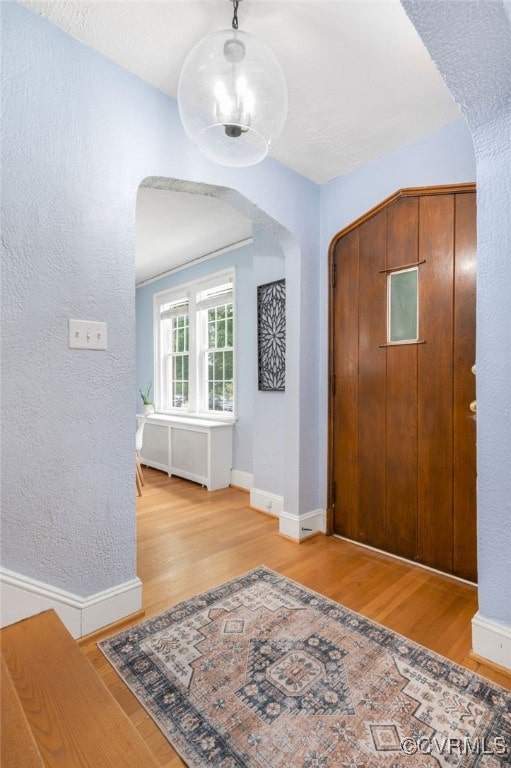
(281,485)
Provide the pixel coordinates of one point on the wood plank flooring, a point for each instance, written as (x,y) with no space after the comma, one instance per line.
(190,540)
(73,719)
(22,749)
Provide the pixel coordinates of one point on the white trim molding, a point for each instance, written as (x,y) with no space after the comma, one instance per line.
(297,527)
(242,479)
(23,597)
(491,640)
(266,502)
(303,526)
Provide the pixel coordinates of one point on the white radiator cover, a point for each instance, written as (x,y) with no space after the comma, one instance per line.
(189,452)
(197,449)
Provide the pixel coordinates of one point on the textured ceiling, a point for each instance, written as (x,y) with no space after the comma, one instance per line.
(360,81)
(176,228)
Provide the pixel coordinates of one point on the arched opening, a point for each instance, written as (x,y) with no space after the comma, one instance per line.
(265,432)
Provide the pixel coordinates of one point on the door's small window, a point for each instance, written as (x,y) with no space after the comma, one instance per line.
(403,306)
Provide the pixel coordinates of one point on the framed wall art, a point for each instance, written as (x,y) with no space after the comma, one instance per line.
(271,336)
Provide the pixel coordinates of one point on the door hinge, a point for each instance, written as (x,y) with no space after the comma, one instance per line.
(333,493)
(333,276)
(333,382)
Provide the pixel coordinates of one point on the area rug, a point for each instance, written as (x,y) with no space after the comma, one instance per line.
(264,673)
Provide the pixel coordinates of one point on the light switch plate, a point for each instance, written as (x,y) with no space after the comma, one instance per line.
(87,334)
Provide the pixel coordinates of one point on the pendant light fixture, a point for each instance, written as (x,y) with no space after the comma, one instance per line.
(232,96)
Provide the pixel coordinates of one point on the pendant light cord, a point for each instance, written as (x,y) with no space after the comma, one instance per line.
(235,17)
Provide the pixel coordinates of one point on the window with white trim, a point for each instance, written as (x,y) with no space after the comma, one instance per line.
(195,354)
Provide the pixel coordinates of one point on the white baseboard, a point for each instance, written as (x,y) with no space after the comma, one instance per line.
(292,526)
(22,597)
(304,526)
(491,640)
(242,479)
(266,502)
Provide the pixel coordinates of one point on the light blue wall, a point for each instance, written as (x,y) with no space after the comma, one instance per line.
(444,157)
(79,135)
(242,259)
(470,44)
(269,407)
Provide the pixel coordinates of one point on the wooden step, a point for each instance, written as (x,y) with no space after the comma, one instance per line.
(18,745)
(74,720)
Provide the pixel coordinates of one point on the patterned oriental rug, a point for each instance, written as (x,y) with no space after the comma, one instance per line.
(263,673)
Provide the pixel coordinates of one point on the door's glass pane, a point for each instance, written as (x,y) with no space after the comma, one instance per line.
(403,305)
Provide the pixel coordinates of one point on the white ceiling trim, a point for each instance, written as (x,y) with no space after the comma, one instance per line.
(206,257)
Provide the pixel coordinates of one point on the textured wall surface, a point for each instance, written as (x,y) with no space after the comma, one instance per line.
(80,134)
(67,446)
(445,157)
(471,45)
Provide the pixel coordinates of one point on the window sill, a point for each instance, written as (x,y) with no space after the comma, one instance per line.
(213,417)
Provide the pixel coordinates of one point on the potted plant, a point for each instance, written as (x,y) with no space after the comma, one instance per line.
(145,394)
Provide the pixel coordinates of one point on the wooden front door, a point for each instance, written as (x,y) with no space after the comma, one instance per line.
(402,463)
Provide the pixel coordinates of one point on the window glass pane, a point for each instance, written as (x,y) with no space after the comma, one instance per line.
(220,381)
(178,368)
(228,366)
(403,304)
(179,334)
(211,334)
(229,396)
(179,380)
(220,335)
(220,387)
(219,366)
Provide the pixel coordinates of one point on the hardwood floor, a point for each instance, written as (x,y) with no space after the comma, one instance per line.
(191,540)
(60,714)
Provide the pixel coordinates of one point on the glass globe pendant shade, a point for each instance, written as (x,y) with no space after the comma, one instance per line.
(232,97)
